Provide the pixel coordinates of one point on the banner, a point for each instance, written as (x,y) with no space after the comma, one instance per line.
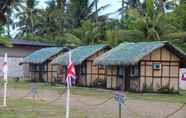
(182,79)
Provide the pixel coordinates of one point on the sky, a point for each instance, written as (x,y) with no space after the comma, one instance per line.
(114,6)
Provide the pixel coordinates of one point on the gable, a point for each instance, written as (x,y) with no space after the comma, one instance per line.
(162,54)
(98,53)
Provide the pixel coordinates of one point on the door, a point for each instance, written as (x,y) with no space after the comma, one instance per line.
(127,78)
(121,78)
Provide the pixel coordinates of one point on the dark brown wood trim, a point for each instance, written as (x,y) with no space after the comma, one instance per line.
(170,55)
(139,73)
(161,64)
(47,73)
(145,76)
(85,74)
(111,76)
(91,84)
(161,68)
(52,78)
(105,77)
(160,76)
(158,61)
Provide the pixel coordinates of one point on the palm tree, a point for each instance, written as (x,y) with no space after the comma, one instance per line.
(79,10)
(96,7)
(27,16)
(128,4)
(5,6)
(152,26)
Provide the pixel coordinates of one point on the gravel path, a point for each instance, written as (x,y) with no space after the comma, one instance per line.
(132,109)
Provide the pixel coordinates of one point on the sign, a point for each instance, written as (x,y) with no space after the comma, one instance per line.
(34,91)
(119,97)
(182,78)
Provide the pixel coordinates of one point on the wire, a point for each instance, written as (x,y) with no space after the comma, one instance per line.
(96,105)
(171,114)
(54,100)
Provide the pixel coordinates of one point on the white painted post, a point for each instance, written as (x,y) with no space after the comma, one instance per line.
(68,100)
(68,80)
(5,70)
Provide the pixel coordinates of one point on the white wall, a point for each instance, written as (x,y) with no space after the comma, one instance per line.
(14,69)
(15,56)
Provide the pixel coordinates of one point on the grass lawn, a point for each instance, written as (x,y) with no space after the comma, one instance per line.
(176,98)
(83,91)
(27,108)
(173,98)
(38,109)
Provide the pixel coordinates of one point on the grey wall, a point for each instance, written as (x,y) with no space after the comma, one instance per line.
(15,56)
(18,51)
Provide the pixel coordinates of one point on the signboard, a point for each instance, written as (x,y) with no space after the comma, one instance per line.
(119,97)
(182,78)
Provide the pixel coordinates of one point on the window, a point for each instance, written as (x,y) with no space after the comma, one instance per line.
(156,66)
(134,70)
(83,69)
(121,72)
(101,67)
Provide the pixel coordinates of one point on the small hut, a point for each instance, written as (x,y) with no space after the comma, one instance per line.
(40,67)
(143,66)
(83,58)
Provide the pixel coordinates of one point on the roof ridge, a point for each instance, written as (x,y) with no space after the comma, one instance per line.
(82,53)
(127,42)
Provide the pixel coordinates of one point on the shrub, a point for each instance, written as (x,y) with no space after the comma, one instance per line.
(101,83)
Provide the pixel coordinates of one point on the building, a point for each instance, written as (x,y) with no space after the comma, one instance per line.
(143,66)
(20,49)
(40,66)
(82,58)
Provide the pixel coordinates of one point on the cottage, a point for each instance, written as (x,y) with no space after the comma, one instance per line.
(143,66)
(83,58)
(40,67)
(20,49)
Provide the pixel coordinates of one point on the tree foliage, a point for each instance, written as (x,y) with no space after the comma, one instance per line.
(78,22)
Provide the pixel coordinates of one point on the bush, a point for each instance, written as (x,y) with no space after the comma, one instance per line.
(167,90)
(100,83)
(17,79)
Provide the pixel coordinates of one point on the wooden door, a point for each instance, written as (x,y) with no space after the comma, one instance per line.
(127,78)
(121,78)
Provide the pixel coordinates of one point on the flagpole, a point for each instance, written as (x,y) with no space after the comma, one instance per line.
(68,81)
(5,81)
(68,100)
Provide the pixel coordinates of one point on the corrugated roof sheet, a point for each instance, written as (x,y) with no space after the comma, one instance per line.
(42,55)
(79,54)
(28,43)
(131,53)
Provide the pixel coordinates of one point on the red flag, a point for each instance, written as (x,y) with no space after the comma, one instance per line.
(71,74)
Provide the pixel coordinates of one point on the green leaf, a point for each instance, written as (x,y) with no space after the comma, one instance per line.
(5,42)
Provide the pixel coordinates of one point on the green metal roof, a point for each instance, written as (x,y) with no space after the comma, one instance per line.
(79,54)
(131,53)
(42,55)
